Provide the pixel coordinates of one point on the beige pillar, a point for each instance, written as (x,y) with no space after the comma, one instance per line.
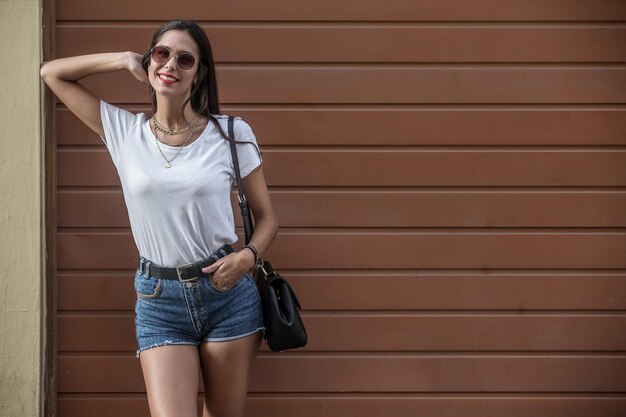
(21,227)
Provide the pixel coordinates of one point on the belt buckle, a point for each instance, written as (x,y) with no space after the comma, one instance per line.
(178,272)
(144,267)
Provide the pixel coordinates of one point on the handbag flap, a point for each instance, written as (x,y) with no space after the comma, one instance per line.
(279,283)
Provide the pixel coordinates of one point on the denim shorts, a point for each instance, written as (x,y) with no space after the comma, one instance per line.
(170,312)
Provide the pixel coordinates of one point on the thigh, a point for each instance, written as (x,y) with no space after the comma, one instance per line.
(226,368)
(171,374)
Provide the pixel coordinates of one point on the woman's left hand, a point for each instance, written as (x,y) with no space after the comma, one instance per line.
(229,269)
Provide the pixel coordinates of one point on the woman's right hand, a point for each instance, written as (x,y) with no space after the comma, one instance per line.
(62,76)
(135,68)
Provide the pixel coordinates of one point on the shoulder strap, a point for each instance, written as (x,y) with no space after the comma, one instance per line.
(243,203)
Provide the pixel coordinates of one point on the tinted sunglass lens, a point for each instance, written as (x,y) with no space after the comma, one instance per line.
(185,61)
(160,54)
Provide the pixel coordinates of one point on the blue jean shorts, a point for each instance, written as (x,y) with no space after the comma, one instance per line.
(170,312)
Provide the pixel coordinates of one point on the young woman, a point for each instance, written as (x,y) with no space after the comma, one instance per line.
(197,308)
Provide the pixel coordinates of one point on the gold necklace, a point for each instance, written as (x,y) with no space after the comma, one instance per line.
(168,163)
(175,131)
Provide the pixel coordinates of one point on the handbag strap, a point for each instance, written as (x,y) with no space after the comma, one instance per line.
(243,203)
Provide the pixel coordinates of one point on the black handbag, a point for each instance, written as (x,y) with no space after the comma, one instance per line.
(284,328)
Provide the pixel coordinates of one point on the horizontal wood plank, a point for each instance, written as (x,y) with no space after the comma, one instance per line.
(365,250)
(411,167)
(377,373)
(260,405)
(351,43)
(409,208)
(411,126)
(520,292)
(330,84)
(328,10)
(396,332)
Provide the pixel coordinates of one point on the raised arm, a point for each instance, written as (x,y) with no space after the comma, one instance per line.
(62,76)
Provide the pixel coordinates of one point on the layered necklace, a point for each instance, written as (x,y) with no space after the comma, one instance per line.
(173,132)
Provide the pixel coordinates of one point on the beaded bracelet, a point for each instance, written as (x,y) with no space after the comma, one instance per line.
(254,251)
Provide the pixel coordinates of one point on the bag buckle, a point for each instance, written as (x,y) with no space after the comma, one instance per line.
(182,274)
(266,268)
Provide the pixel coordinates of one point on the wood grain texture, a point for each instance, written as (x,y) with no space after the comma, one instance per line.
(449,179)
(390,125)
(271,42)
(366,250)
(393,332)
(518,292)
(405,84)
(328,10)
(375,405)
(411,167)
(444,373)
(350,208)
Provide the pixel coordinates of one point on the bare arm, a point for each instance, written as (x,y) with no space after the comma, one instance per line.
(265,221)
(265,230)
(62,75)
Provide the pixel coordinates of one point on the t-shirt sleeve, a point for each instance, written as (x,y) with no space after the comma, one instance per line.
(116,123)
(248,154)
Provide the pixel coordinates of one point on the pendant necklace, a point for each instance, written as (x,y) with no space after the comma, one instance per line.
(175,131)
(168,162)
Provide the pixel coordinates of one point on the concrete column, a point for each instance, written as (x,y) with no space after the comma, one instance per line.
(21,226)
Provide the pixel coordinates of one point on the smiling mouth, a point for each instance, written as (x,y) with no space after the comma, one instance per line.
(167,79)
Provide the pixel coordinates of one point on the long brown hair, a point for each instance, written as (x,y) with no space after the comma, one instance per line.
(204,95)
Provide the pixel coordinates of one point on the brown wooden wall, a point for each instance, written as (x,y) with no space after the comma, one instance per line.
(450,180)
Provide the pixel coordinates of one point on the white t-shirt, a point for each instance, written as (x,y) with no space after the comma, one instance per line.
(182,214)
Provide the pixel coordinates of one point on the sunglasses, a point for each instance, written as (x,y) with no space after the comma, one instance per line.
(184,60)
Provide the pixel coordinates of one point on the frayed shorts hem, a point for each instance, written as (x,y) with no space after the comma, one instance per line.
(165,343)
(209,339)
(225,339)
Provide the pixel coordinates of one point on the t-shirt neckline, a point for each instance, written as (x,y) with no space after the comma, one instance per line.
(146,126)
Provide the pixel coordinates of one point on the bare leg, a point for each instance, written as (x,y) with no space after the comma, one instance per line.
(226,368)
(172,374)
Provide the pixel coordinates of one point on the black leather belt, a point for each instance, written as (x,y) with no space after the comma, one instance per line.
(183,273)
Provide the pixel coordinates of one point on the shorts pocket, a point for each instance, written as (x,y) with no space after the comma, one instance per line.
(147,287)
(209,278)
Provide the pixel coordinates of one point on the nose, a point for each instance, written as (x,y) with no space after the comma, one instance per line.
(173,65)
